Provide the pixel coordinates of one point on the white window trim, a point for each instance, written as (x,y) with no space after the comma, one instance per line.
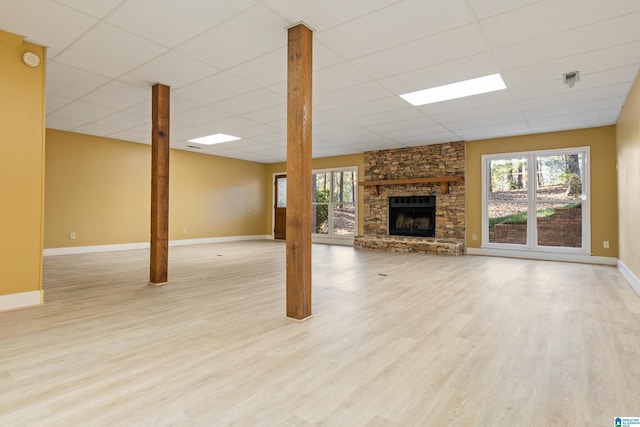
(322,238)
(532,246)
(331,238)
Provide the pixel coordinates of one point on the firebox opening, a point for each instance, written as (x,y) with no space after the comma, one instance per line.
(412,216)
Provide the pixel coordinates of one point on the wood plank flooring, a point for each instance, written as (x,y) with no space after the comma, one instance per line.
(396,340)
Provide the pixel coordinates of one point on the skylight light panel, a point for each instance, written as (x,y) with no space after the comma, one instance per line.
(215,139)
(461,89)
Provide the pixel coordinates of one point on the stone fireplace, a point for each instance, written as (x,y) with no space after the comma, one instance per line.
(409,179)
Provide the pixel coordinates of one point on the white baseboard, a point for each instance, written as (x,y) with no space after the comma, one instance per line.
(629,277)
(145,245)
(21,300)
(544,256)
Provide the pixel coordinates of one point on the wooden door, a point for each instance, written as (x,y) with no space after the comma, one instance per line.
(280,208)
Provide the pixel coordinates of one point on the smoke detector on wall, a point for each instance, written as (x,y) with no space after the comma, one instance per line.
(570,79)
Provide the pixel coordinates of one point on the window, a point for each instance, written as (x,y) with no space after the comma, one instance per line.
(334,202)
(537,201)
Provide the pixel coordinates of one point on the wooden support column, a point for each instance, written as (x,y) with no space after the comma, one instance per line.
(159,185)
(299,172)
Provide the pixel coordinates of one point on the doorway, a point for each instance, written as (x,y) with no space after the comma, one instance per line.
(280,208)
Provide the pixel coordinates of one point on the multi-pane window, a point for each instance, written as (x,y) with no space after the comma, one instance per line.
(537,200)
(334,201)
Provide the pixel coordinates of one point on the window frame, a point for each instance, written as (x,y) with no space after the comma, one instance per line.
(532,228)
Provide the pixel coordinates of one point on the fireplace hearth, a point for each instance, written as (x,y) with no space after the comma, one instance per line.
(412,216)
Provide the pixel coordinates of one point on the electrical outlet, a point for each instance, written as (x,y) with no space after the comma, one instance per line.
(72,235)
(474,237)
(605,244)
(184,230)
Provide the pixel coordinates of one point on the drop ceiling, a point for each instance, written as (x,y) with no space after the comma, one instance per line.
(225,61)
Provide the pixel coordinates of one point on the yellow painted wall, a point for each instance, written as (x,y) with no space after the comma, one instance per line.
(100,188)
(21,166)
(628,155)
(316,164)
(604,209)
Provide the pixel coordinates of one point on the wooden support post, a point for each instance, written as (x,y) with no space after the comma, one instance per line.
(299,172)
(159,185)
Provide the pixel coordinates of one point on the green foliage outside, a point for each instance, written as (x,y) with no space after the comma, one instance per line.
(322,210)
(521,217)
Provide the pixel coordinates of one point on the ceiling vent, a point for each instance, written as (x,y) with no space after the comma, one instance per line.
(570,79)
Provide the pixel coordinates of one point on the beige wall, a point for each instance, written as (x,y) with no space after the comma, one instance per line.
(316,164)
(628,154)
(604,210)
(100,189)
(21,166)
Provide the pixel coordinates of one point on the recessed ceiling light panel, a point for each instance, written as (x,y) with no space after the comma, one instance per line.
(461,89)
(215,139)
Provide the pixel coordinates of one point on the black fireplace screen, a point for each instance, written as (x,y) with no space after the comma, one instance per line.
(412,216)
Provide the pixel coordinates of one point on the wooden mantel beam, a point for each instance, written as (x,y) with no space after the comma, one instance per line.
(443,180)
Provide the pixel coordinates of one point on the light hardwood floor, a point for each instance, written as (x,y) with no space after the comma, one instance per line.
(396,339)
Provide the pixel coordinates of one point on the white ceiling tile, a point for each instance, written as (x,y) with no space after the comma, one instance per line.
(421,121)
(199,116)
(587,81)
(129,135)
(517,128)
(265,70)
(88,52)
(323,56)
(229,124)
(551,17)
(118,95)
(268,115)
(465,68)
(604,104)
(337,77)
(576,97)
(179,105)
(583,124)
(483,122)
(267,34)
(440,48)
(250,101)
(436,138)
(388,103)
(399,23)
(586,63)
(386,117)
(214,88)
(350,95)
(96,129)
(70,82)
(325,14)
(398,134)
(95,8)
(173,69)
(123,120)
(55,102)
(62,123)
(84,112)
(259,130)
(472,114)
(571,42)
(587,116)
(170,23)
(487,8)
(33,19)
